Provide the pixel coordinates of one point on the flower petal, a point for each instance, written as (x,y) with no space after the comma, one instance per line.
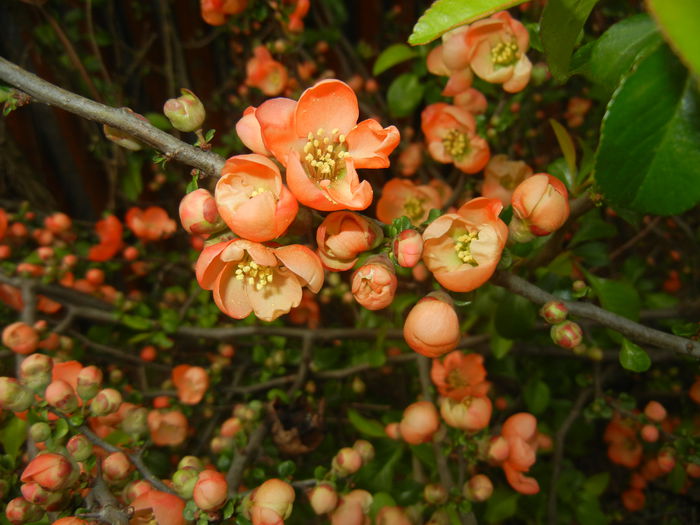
(276,118)
(278,297)
(304,263)
(230,294)
(370,145)
(330,104)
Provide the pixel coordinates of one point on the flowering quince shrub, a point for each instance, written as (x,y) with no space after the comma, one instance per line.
(343,279)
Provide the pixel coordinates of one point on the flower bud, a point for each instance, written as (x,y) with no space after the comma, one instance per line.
(185,113)
(135,489)
(432,327)
(199,214)
(347,461)
(190,462)
(52,471)
(439,517)
(374,283)
(420,421)
(79,447)
(58,222)
(106,402)
(435,494)
(184,481)
(61,396)
(408,248)
(361,497)
(323,498)
(498,449)
(19,511)
(210,491)
(89,382)
(14,396)
(135,421)
(567,334)
(666,460)
(655,411)
(273,496)
(478,488)
(554,312)
(40,432)
(35,493)
(470,414)
(20,338)
(231,427)
(122,138)
(116,467)
(649,433)
(392,431)
(35,364)
(542,202)
(365,449)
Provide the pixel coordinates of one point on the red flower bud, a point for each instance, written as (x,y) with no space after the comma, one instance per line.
(199,214)
(567,334)
(408,248)
(116,467)
(554,312)
(19,511)
(52,471)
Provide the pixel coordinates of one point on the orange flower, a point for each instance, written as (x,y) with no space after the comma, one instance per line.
(167,428)
(161,506)
(343,236)
(249,277)
(450,132)
(296,19)
(214,12)
(542,203)
(110,231)
(623,446)
(265,73)
(403,197)
(460,375)
(497,47)
(191,383)
(501,177)
(151,224)
(320,143)
(462,249)
(419,423)
(374,283)
(470,414)
(252,200)
(520,432)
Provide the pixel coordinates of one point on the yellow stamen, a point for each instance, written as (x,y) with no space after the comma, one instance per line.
(463,248)
(456,143)
(505,54)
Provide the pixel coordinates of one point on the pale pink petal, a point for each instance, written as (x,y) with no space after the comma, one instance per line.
(458,82)
(255,218)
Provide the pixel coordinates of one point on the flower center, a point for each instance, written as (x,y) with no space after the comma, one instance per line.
(413,208)
(504,54)
(324,154)
(254,274)
(257,191)
(456,380)
(463,248)
(456,143)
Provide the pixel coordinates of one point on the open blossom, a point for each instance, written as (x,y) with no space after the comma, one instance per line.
(151,224)
(265,73)
(159,506)
(252,200)
(459,375)
(343,236)
(321,144)
(249,277)
(624,447)
(110,231)
(502,176)
(542,202)
(497,47)
(191,383)
(450,132)
(167,428)
(520,432)
(462,249)
(403,197)
(374,283)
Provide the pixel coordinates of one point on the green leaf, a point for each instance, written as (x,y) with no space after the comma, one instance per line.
(392,55)
(633,357)
(61,429)
(679,22)
(650,139)
(616,296)
(500,346)
(13,435)
(193,184)
(502,504)
(444,15)
(404,94)
(136,323)
(379,501)
(158,120)
(607,59)
(369,427)
(537,396)
(597,483)
(131,183)
(566,144)
(286,469)
(560,26)
(515,316)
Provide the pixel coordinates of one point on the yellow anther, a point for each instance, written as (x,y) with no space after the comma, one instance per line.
(322,152)
(463,248)
(505,54)
(341,138)
(320,132)
(335,131)
(456,143)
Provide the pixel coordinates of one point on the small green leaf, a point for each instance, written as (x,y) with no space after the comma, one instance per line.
(369,427)
(502,504)
(158,120)
(537,396)
(616,296)
(679,22)
(500,346)
(597,483)
(227,511)
(444,15)
(136,323)
(286,469)
(379,501)
(193,184)
(209,135)
(404,94)
(633,357)
(13,435)
(392,55)
(61,429)
(650,139)
(566,144)
(560,26)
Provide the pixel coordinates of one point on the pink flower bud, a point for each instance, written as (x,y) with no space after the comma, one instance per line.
(498,449)
(343,236)
(52,471)
(478,488)
(323,498)
(19,511)
(210,491)
(348,513)
(274,498)
(61,396)
(185,113)
(116,467)
(432,326)
(435,494)
(14,396)
(554,312)
(666,460)
(392,516)
(374,283)
(347,461)
(420,421)
(361,497)
(365,449)
(198,213)
(79,447)
(89,382)
(136,489)
(35,371)
(184,481)
(20,338)
(106,402)
(408,248)
(542,202)
(567,334)
(393,431)
(231,427)
(470,414)
(655,411)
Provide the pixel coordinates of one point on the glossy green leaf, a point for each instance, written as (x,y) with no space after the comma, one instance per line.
(13,435)
(392,55)
(649,148)
(633,357)
(369,427)
(444,15)
(560,26)
(679,22)
(606,60)
(379,501)
(404,94)
(616,296)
